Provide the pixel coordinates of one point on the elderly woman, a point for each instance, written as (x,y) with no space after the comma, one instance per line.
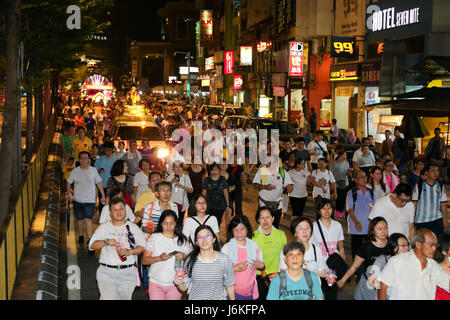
(271,241)
(351,137)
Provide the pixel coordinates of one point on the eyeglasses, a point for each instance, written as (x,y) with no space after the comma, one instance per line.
(207,237)
(403,245)
(361,177)
(432,244)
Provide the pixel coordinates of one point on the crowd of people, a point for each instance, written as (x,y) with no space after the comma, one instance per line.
(160,221)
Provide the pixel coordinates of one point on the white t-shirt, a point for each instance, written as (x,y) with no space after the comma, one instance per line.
(141,182)
(156,213)
(108,231)
(309,262)
(332,236)
(163,272)
(323,179)
(276,180)
(84,190)
(104,216)
(190,225)
(378,192)
(179,195)
(398,219)
(299,178)
(358,153)
(314,146)
(406,280)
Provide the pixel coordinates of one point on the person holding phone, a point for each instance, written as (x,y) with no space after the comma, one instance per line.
(165,245)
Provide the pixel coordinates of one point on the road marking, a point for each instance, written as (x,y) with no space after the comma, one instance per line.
(73,269)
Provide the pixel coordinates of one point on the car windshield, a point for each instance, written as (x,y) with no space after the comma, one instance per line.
(139,133)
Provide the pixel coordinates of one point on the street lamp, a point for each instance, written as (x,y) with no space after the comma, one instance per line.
(189,71)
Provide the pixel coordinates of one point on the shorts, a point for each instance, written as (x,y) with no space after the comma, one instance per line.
(83,210)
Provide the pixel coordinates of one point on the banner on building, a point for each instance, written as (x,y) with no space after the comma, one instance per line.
(370,73)
(206,26)
(296,59)
(372,96)
(344,72)
(209,63)
(344,47)
(246,55)
(238,82)
(228,62)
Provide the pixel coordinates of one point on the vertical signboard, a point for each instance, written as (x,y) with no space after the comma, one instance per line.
(296,59)
(228,62)
(238,82)
(246,55)
(209,63)
(206,25)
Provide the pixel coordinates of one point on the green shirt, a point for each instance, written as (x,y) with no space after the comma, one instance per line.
(271,247)
(66,140)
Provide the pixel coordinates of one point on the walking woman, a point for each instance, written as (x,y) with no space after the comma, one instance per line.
(166,245)
(271,241)
(197,174)
(120,179)
(340,169)
(301,229)
(197,217)
(389,177)
(367,254)
(246,256)
(207,270)
(376,183)
(181,187)
(301,178)
(140,181)
(329,237)
(215,189)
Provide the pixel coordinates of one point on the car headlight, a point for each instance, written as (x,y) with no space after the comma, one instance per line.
(163,153)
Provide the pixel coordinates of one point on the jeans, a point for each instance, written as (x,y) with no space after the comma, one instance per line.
(115,284)
(83,210)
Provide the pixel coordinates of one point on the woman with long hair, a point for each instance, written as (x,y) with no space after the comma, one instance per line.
(166,245)
(376,182)
(389,177)
(198,216)
(367,254)
(121,179)
(246,256)
(207,270)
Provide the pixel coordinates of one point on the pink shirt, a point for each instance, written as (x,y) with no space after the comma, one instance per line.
(390,183)
(245,280)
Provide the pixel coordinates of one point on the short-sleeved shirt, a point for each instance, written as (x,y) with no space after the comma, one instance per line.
(304,155)
(295,290)
(156,213)
(300,179)
(312,260)
(163,272)
(429,204)
(398,219)
(141,182)
(314,146)
(105,216)
(332,236)
(340,171)
(272,179)
(362,206)
(209,278)
(108,231)
(369,252)
(84,190)
(323,179)
(105,163)
(214,192)
(179,195)
(144,198)
(271,246)
(67,140)
(190,225)
(79,145)
(90,123)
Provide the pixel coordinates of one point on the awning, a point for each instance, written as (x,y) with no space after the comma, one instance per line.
(438,66)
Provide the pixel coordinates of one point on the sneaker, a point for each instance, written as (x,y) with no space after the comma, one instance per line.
(80,239)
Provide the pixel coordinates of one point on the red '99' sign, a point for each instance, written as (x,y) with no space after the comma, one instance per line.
(228,62)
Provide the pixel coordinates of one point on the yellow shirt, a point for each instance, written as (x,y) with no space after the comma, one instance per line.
(146,197)
(79,145)
(67,170)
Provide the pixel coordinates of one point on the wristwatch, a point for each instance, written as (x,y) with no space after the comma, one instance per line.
(105,242)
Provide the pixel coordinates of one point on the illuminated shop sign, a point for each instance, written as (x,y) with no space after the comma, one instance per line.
(263,46)
(228,62)
(296,59)
(344,72)
(209,63)
(206,22)
(238,82)
(389,18)
(246,55)
(343,47)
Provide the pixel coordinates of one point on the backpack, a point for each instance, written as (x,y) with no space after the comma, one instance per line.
(355,195)
(306,272)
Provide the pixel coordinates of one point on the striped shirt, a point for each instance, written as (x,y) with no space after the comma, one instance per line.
(209,278)
(156,213)
(428,206)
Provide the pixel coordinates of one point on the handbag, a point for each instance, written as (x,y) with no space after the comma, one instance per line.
(272,205)
(334,261)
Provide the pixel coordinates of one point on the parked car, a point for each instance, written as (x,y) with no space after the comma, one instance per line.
(286,130)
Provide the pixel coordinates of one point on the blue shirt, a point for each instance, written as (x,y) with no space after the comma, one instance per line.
(90,123)
(429,204)
(363,206)
(105,163)
(295,290)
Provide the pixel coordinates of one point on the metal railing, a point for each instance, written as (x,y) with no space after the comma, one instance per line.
(16,226)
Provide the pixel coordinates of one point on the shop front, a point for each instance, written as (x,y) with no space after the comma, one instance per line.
(344,78)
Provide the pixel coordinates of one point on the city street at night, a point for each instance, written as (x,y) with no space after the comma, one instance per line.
(221,150)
